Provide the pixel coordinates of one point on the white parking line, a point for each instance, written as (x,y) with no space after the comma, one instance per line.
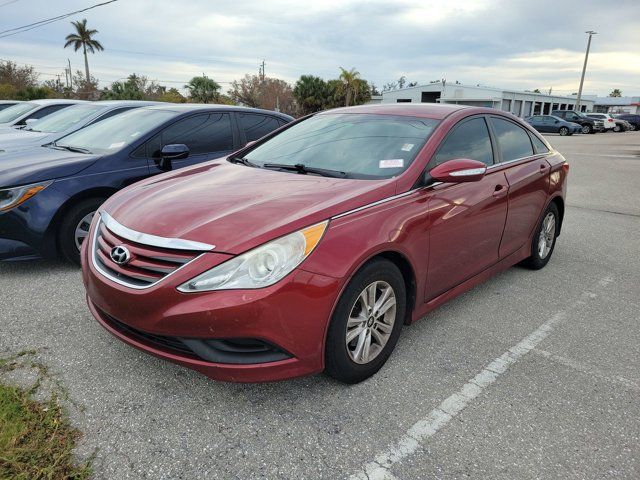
(439,417)
(588,369)
(600,154)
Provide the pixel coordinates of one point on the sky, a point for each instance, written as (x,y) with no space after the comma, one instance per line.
(517,44)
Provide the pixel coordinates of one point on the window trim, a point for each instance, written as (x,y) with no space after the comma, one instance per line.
(493,133)
(241,130)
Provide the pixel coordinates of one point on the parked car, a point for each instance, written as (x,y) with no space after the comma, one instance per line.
(7,103)
(608,121)
(64,122)
(309,249)
(49,194)
(589,125)
(551,124)
(633,119)
(19,114)
(622,125)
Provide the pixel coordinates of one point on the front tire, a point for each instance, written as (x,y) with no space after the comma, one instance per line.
(587,129)
(366,323)
(617,128)
(544,239)
(74,228)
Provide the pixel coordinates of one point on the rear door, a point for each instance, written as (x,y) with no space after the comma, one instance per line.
(207,135)
(527,172)
(467,219)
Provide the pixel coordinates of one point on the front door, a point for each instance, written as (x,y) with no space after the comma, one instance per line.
(467,219)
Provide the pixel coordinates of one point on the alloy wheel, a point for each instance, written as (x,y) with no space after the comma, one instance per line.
(371,322)
(82,229)
(547,235)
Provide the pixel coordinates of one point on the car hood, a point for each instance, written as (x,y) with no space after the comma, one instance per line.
(236,207)
(18,139)
(40,163)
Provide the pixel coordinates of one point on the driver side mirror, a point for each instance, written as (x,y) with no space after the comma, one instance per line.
(459,170)
(176,151)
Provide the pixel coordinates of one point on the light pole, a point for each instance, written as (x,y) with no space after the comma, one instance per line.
(584,68)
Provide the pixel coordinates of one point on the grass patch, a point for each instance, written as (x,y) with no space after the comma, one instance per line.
(36,439)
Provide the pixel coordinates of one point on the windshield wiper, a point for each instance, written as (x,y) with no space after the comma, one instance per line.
(303,169)
(242,161)
(71,148)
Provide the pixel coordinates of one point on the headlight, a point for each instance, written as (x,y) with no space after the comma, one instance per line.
(262,266)
(12,197)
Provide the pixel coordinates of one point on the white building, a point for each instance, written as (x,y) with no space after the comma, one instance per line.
(522,104)
(615,104)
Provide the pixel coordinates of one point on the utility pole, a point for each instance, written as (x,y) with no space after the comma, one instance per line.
(262,71)
(70,74)
(584,68)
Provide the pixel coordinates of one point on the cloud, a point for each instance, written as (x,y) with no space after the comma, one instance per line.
(502,42)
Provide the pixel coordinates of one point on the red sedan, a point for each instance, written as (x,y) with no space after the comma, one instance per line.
(308,250)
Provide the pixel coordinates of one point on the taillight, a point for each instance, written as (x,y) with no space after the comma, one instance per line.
(565,166)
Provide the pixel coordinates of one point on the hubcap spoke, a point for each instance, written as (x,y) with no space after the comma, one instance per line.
(82,229)
(370,322)
(547,235)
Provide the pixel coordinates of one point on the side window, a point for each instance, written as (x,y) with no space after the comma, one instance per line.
(43,112)
(468,140)
(539,145)
(111,113)
(201,133)
(257,126)
(513,141)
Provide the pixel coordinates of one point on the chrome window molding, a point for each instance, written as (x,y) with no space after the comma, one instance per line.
(384,200)
(152,240)
(530,157)
(117,280)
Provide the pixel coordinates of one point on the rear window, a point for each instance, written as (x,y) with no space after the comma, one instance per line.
(513,141)
(257,126)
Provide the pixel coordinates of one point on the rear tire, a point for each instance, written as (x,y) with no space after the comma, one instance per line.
(544,239)
(361,315)
(563,131)
(74,225)
(617,128)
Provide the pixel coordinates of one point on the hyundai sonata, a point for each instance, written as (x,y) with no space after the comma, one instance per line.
(311,248)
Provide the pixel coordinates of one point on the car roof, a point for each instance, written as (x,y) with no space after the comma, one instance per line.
(55,101)
(436,111)
(11,101)
(125,103)
(195,107)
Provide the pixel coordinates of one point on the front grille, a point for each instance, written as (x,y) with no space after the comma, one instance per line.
(147,264)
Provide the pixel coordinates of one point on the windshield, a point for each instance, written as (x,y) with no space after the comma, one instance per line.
(112,134)
(361,145)
(64,119)
(10,114)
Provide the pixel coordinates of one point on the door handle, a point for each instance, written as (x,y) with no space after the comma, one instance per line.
(500,191)
(543,169)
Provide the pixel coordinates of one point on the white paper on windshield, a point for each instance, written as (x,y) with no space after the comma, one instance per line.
(116,145)
(407,147)
(391,163)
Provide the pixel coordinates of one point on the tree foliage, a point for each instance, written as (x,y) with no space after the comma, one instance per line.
(258,92)
(203,89)
(310,93)
(172,96)
(136,87)
(16,76)
(616,93)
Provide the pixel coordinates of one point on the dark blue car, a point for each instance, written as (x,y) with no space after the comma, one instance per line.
(48,194)
(553,124)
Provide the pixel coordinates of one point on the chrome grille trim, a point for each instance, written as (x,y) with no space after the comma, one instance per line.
(152,240)
(97,263)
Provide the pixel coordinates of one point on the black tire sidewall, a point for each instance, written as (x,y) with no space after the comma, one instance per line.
(66,232)
(338,364)
(534,261)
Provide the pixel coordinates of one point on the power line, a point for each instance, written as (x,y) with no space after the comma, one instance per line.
(41,23)
(8,3)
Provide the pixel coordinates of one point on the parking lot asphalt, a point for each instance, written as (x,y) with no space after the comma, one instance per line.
(529,375)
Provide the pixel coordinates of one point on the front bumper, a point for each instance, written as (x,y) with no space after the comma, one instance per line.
(292,316)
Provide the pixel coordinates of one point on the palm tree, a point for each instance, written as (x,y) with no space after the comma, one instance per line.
(83,38)
(350,80)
